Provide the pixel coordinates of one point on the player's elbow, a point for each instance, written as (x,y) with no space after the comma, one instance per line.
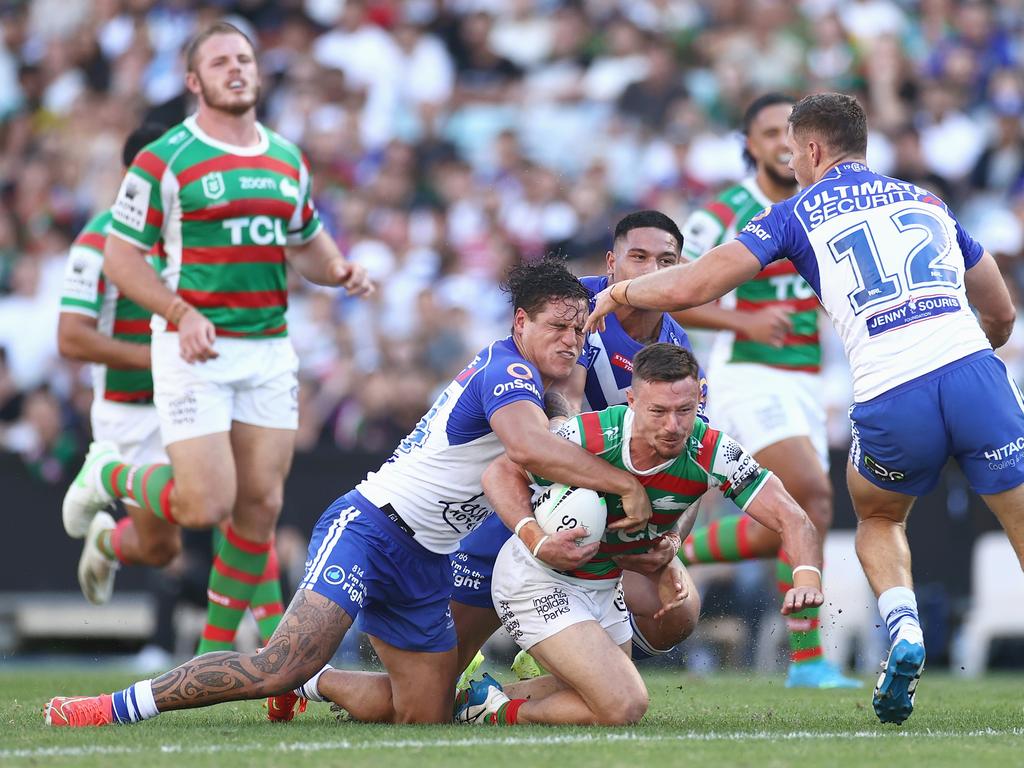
(69,343)
(524,453)
(999,327)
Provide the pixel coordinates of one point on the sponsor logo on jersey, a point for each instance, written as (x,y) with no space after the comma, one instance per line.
(551,605)
(213,185)
(288,189)
(745,469)
(913,311)
(668,504)
(468,371)
(132,204)
(464,516)
(257,182)
(519,370)
(179,137)
(262,230)
(838,199)
(515,384)
(762,214)
(755,229)
(882,472)
(610,434)
(621,361)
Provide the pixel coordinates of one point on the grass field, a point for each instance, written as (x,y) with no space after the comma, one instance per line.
(720,721)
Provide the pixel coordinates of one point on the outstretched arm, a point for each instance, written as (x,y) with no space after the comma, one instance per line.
(320,262)
(687,285)
(776,510)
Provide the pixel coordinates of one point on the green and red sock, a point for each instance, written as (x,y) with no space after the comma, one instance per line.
(109,541)
(722,541)
(268,601)
(804,626)
(237,570)
(147,485)
(508,713)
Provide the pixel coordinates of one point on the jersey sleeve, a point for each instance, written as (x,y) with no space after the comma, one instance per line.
(83,287)
(305,222)
(138,211)
(767,234)
(508,380)
(701,232)
(739,476)
(969,247)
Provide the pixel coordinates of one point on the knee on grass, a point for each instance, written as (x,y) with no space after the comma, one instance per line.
(626,708)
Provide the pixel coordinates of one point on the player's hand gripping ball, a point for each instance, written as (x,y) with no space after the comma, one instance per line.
(560,507)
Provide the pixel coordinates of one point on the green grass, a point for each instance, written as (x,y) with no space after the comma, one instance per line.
(719,721)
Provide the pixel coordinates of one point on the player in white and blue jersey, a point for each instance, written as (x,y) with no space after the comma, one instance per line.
(643,242)
(898,276)
(382,549)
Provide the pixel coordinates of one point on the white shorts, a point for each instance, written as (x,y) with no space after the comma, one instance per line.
(759,406)
(535,603)
(253,381)
(134,429)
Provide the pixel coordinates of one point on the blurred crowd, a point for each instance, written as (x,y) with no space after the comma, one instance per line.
(450,138)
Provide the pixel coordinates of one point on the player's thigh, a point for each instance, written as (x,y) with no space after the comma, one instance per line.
(795,461)
(873,502)
(263,457)
(588,660)
(643,601)
(421,682)
(204,477)
(474,626)
(1008,507)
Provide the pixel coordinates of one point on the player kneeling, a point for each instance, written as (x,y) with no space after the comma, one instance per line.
(575,623)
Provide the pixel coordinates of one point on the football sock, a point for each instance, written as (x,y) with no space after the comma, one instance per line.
(508,713)
(267,601)
(309,689)
(134,703)
(113,539)
(147,485)
(804,626)
(722,541)
(898,608)
(237,570)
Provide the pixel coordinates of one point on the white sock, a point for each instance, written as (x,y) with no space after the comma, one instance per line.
(898,608)
(135,703)
(309,689)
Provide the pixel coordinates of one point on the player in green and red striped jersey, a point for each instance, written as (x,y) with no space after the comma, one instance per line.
(572,622)
(101,326)
(765,366)
(231,201)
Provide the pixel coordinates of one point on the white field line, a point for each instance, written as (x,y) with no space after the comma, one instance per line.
(507,741)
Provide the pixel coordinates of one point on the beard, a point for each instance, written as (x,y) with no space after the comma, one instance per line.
(233,107)
(782,180)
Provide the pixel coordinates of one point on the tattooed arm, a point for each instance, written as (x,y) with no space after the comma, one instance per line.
(308,636)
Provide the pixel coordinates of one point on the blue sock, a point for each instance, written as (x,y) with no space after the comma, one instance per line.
(898,608)
(134,703)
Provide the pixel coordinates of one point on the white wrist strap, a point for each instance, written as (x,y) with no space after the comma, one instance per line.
(810,568)
(521,523)
(540,544)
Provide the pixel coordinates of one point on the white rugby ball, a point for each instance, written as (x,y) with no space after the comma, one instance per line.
(559,507)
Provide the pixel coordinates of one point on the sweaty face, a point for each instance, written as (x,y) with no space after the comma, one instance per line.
(641,251)
(663,414)
(801,162)
(226,77)
(553,338)
(766,142)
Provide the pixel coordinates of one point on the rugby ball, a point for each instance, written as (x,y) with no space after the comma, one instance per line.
(560,507)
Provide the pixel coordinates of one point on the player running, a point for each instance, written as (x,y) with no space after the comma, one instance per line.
(102,327)
(571,622)
(766,366)
(898,276)
(230,201)
(382,549)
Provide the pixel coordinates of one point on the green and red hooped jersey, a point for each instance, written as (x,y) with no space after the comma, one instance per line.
(225,215)
(711,460)
(87,292)
(777,285)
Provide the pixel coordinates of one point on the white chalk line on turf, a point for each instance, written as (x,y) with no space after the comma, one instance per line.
(507,741)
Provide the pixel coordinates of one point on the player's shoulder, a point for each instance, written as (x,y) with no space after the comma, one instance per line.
(673,333)
(93,235)
(505,355)
(279,145)
(168,144)
(594,283)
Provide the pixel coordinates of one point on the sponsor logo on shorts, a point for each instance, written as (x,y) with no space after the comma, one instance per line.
(351,583)
(519,370)
(620,599)
(334,575)
(465,577)
(552,605)
(184,409)
(509,620)
(1006,456)
(883,472)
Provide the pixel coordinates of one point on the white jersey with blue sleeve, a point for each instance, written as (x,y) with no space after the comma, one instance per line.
(887,260)
(433,479)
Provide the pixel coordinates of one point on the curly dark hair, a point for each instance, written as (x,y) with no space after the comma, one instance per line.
(531,285)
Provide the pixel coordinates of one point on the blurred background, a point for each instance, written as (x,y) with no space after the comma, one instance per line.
(449,139)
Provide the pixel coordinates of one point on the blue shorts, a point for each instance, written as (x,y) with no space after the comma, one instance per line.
(361,560)
(970,410)
(473,564)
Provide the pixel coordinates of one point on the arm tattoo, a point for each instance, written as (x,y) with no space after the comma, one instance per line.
(307,638)
(556,405)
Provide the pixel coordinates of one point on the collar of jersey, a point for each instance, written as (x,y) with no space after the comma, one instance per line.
(750,184)
(627,459)
(234,149)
